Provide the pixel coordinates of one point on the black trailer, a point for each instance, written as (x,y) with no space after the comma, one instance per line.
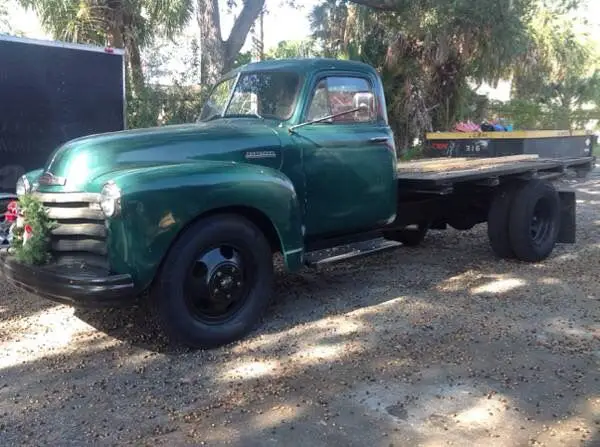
(52,92)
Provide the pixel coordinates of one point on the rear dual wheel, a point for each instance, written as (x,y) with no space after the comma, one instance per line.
(524,221)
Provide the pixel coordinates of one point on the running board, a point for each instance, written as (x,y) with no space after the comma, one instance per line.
(355,253)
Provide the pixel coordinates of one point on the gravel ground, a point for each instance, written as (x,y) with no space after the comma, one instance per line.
(438,345)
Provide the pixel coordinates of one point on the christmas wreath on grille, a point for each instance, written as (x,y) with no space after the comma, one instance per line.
(30,230)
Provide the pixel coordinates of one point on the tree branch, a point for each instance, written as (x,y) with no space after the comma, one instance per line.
(242,26)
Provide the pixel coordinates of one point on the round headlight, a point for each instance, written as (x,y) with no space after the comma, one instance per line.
(23,186)
(110,200)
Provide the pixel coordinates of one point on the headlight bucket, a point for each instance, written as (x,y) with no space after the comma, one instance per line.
(23,186)
(110,199)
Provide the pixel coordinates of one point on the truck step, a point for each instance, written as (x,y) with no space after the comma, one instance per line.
(360,250)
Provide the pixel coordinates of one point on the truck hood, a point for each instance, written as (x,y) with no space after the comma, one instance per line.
(78,162)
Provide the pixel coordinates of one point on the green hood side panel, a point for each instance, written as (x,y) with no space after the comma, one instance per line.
(82,160)
(158,202)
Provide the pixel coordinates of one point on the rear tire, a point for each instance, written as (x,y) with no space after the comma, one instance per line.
(534,221)
(498,222)
(215,283)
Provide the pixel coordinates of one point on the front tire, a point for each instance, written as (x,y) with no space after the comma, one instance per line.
(215,282)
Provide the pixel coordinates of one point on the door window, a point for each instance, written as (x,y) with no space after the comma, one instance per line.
(336,94)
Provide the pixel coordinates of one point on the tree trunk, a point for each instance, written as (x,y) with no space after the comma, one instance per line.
(119,37)
(135,65)
(212,47)
(218,56)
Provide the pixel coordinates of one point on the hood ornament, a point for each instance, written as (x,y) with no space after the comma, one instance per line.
(49,179)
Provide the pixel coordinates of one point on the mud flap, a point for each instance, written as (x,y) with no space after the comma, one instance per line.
(566,233)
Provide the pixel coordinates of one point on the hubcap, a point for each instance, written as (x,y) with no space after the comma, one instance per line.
(217,283)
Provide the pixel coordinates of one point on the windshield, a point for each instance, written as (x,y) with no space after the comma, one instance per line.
(261,94)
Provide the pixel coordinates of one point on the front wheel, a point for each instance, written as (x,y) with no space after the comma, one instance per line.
(215,283)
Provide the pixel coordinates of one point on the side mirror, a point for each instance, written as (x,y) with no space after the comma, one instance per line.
(365,101)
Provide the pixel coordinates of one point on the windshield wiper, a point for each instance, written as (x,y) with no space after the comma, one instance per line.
(325,118)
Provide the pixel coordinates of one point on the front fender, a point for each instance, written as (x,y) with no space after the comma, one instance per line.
(159,202)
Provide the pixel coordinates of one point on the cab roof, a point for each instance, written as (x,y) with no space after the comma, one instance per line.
(302,66)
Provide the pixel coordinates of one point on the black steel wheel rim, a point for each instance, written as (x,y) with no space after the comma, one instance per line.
(541,222)
(218,282)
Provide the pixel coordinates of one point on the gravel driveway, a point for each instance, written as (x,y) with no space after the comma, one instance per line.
(438,345)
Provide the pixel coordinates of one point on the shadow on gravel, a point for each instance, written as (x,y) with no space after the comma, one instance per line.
(299,298)
(438,350)
(135,326)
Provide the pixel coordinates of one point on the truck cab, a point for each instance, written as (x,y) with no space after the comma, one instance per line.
(334,143)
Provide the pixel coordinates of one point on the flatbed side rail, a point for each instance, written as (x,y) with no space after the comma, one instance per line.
(440,176)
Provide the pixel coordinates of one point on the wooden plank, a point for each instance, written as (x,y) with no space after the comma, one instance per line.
(448,164)
(411,179)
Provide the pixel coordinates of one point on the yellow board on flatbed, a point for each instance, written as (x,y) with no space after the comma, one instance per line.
(501,135)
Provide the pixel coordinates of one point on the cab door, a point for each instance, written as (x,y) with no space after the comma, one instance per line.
(349,162)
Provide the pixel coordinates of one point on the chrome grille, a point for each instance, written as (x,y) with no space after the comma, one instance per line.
(81,232)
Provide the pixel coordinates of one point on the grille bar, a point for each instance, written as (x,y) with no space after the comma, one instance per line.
(74,213)
(85,229)
(68,197)
(88,245)
(80,235)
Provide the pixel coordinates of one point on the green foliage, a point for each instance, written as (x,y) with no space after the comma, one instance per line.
(411,153)
(99,21)
(427,53)
(158,105)
(131,25)
(36,251)
(558,79)
(291,49)
(432,53)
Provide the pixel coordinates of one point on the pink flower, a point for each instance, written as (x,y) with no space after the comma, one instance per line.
(12,211)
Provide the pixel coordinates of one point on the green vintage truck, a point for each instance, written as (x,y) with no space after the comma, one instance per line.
(287,157)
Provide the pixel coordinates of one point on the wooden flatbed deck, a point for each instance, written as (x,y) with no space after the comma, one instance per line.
(444,172)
